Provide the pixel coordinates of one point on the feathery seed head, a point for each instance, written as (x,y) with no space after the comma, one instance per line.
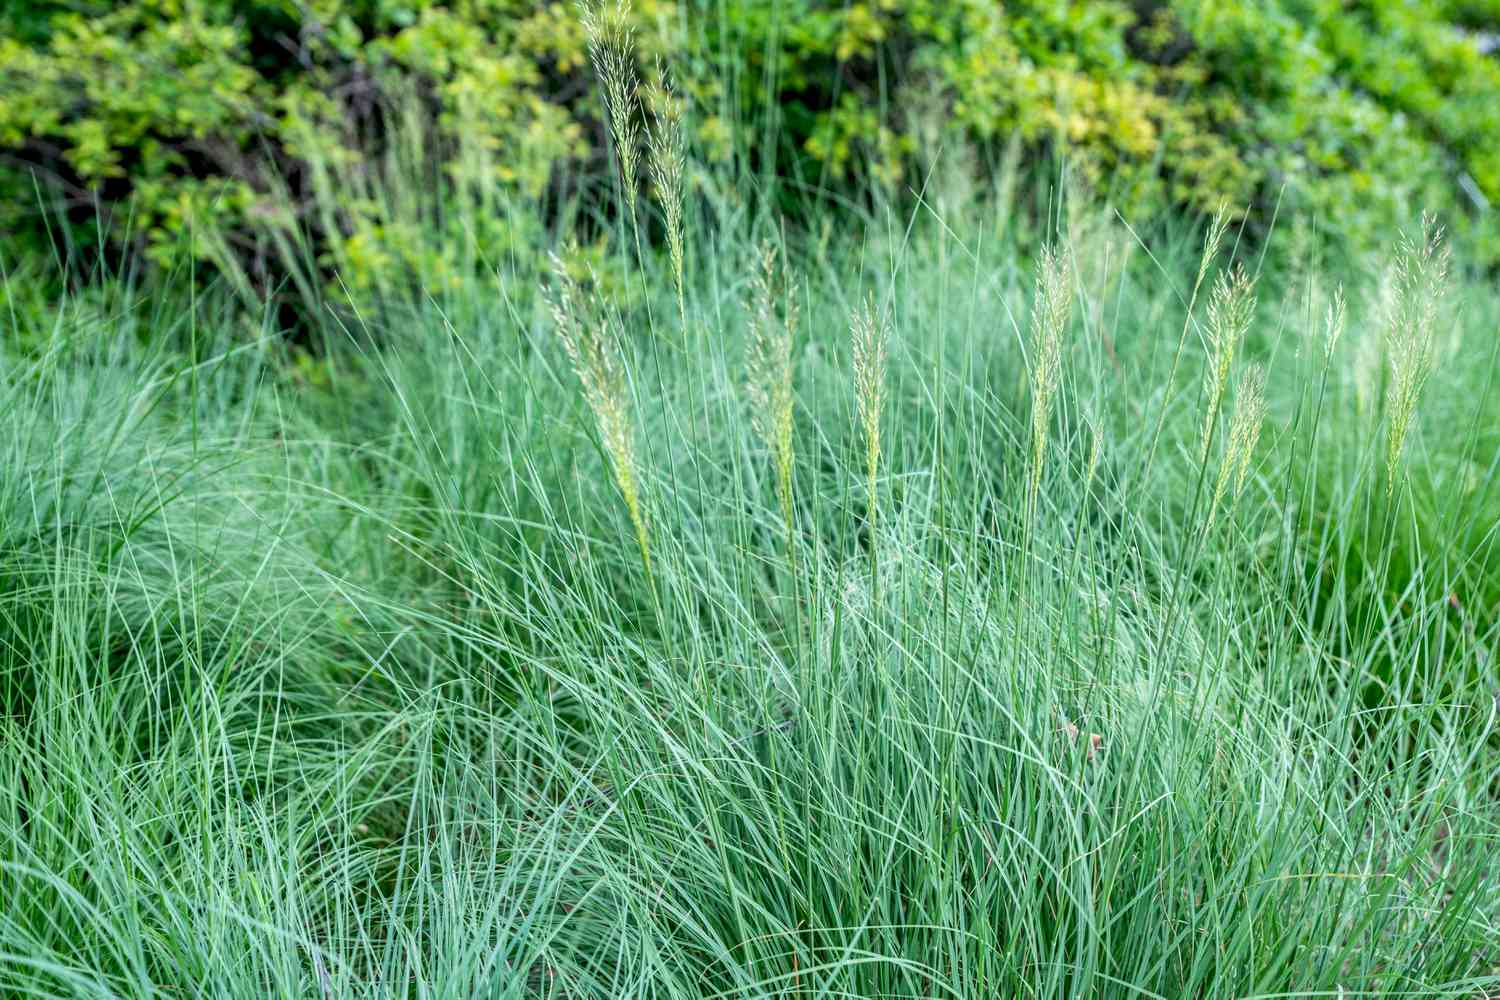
(1333,322)
(1231,306)
(1418,278)
(1214,240)
(666,144)
(869,329)
(769,368)
(587,329)
(611,42)
(1049,321)
(1245,422)
(582,326)
(1244,432)
(869,335)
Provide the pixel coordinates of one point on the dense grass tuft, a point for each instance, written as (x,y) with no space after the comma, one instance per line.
(1083,661)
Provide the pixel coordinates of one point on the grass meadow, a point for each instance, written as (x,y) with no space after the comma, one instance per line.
(986,597)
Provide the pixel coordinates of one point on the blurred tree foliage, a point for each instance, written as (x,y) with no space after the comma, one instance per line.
(248,117)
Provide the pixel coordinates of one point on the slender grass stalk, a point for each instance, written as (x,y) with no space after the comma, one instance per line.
(1213,242)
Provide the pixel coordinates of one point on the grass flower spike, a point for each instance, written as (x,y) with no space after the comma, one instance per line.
(1419,276)
(1049,321)
(612,50)
(870,334)
(666,144)
(1333,323)
(1231,306)
(1213,242)
(587,331)
(1245,424)
(1244,432)
(770,372)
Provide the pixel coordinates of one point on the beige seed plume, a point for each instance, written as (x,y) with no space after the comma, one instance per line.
(666,144)
(869,335)
(1213,242)
(587,331)
(611,42)
(1231,305)
(1049,321)
(1245,422)
(1418,279)
(769,370)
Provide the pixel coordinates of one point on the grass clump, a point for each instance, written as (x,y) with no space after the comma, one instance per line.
(343,686)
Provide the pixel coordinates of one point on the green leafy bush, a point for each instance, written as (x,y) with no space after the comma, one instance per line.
(246,119)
